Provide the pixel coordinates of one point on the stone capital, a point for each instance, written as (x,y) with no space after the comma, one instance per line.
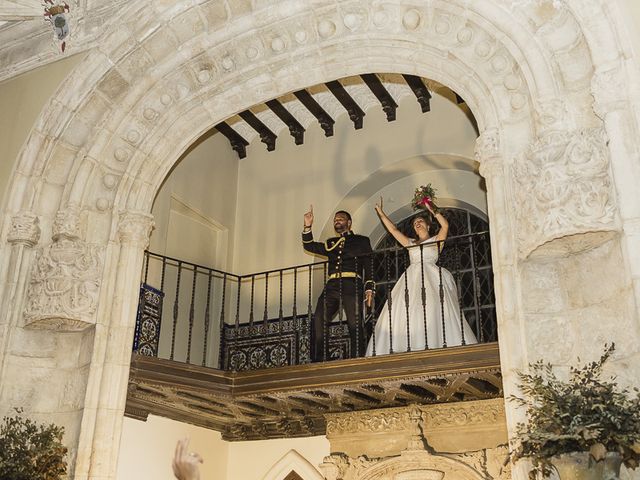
(564,186)
(487,151)
(25,229)
(67,224)
(135,228)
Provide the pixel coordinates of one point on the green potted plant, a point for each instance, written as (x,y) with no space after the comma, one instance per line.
(31,451)
(583,419)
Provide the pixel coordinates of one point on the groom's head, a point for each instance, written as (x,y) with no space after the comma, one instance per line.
(342,222)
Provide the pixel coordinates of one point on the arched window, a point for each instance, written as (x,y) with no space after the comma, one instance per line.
(466,254)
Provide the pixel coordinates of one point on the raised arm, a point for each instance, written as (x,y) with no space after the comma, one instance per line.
(391,227)
(308,243)
(444,225)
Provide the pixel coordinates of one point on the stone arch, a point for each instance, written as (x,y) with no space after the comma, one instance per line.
(292,461)
(90,169)
(410,464)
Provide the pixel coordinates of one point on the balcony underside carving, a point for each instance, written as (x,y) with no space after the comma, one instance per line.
(293,401)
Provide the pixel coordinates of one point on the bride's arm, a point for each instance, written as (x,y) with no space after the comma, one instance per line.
(444,225)
(391,227)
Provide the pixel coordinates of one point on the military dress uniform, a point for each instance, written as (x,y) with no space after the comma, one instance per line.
(349,274)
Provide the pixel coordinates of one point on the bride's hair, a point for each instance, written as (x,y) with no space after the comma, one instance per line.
(426,216)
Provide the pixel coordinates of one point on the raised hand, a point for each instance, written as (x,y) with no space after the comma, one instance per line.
(378,206)
(186,465)
(308,217)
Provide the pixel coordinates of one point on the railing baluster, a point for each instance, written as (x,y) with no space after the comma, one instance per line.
(459,291)
(424,298)
(207,319)
(325,327)
(175,312)
(146,266)
(372,310)
(253,284)
(476,290)
(236,330)
(223,343)
(265,317)
(441,291)
(192,312)
(406,303)
(310,315)
(358,306)
(389,301)
(294,318)
(280,316)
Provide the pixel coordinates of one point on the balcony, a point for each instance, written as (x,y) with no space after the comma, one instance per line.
(232,353)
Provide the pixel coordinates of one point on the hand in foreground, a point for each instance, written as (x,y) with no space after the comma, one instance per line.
(308,217)
(368,295)
(186,465)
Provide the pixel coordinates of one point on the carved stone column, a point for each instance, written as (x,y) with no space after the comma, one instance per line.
(23,236)
(102,427)
(612,104)
(504,250)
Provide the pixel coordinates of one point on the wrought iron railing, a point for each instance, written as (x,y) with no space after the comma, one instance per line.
(200,315)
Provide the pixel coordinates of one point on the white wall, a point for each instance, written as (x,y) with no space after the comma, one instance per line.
(253,460)
(194,214)
(147,448)
(276,189)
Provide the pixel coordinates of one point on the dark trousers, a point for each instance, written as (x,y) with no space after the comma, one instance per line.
(350,290)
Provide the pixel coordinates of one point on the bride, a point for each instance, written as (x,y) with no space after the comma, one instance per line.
(444,325)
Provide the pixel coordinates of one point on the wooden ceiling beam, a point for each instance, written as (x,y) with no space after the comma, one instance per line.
(266,135)
(420,90)
(238,143)
(295,128)
(356,114)
(382,94)
(325,120)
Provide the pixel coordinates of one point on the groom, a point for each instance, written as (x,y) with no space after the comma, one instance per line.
(348,256)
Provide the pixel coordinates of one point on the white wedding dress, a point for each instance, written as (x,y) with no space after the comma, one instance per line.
(396,330)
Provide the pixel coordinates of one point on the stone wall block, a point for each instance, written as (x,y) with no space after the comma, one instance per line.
(215,13)
(60,163)
(94,110)
(161,44)
(114,86)
(187,25)
(136,65)
(240,7)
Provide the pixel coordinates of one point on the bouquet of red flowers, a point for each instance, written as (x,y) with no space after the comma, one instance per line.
(425,195)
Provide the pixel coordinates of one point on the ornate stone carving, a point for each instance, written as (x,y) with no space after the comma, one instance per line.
(551,115)
(64,286)
(135,228)
(563,188)
(25,229)
(438,416)
(410,465)
(608,87)
(487,145)
(376,421)
(67,224)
